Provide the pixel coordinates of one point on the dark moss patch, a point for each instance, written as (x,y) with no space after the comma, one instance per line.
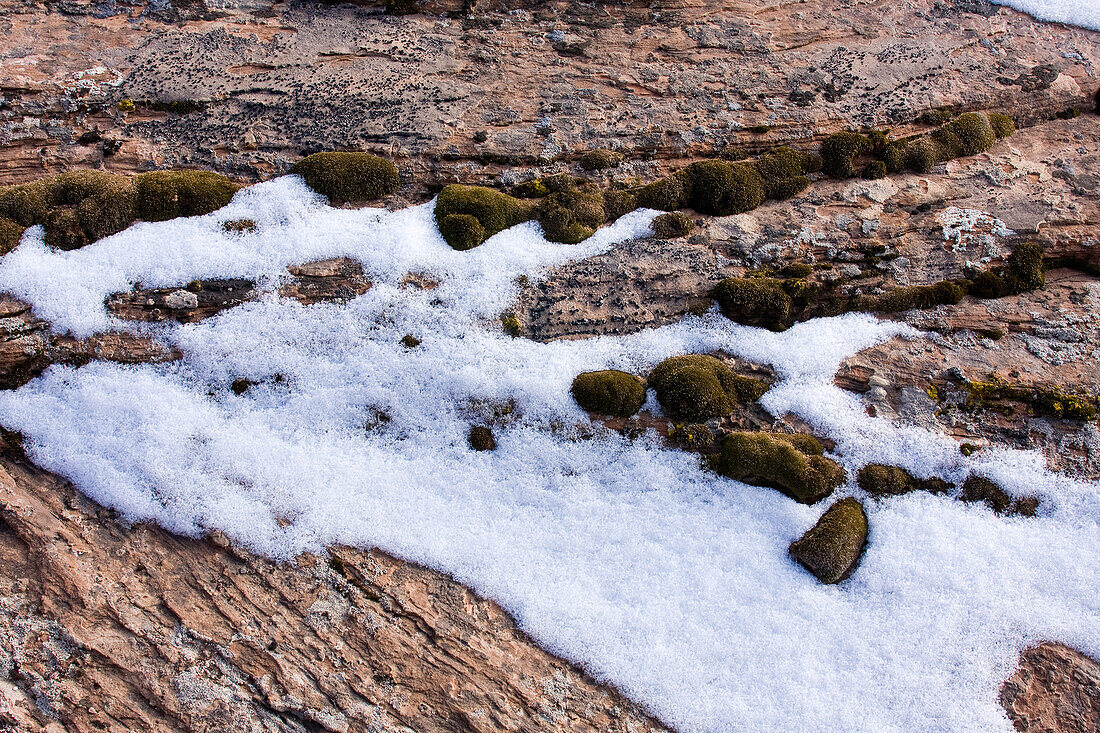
(571,216)
(409,341)
(783,171)
(777,462)
(609,392)
(10,234)
(721,189)
(240,226)
(874,170)
(1002,124)
(695,387)
(880,480)
(945,292)
(666,194)
(936,117)
(672,225)
(798,270)
(344,177)
(481,438)
(1023,272)
(402,7)
(754,302)
(616,203)
(840,150)
(694,437)
(163,195)
(981,489)
(832,548)
(600,159)
(488,208)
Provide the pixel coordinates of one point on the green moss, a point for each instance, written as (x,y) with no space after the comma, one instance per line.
(981,489)
(693,436)
(666,194)
(1002,124)
(481,438)
(695,387)
(510,324)
(1022,272)
(874,170)
(922,155)
(936,116)
(609,392)
(767,460)
(945,292)
(748,389)
(163,195)
(10,234)
(783,171)
(880,480)
(344,177)
(840,150)
(788,188)
(672,225)
(533,189)
(596,160)
(617,203)
(402,7)
(571,216)
(719,188)
(832,548)
(803,442)
(894,157)
(27,204)
(493,211)
(797,270)
(1041,400)
(754,302)
(974,131)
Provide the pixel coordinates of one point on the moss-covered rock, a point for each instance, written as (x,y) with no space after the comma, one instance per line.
(754,302)
(945,292)
(571,216)
(481,438)
(839,151)
(881,480)
(672,225)
(609,392)
(27,204)
(777,462)
(1022,272)
(163,195)
(981,489)
(832,548)
(719,188)
(599,159)
(10,234)
(492,210)
(348,176)
(694,436)
(695,387)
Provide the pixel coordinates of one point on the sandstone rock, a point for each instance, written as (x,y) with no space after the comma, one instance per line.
(831,549)
(1055,689)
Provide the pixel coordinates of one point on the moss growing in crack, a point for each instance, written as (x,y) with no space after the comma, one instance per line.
(344,177)
(571,216)
(672,225)
(719,188)
(609,392)
(666,194)
(881,480)
(163,195)
(490,209)
(1002,124)
(874,170)
(773,461)
(832,548)
(10,234)
(945,292)
(754,302)
(1040,400)
(840,150)
(617,203)
(695,387)
(511,325)
(783,171)
(974,131)
(1022,272)
(922,155)
(600,159)
(980,489)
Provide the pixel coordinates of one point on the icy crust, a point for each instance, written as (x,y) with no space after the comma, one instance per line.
(667,581)
(1084,13)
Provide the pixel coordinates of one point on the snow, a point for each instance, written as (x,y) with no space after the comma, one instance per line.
(1085,13)
(624,556)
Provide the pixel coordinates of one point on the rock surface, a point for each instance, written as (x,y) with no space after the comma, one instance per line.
(1055,689)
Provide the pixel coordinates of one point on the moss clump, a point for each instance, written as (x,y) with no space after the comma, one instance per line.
(936,116)
(597,160)
(1022,272)
(27,204)
(666,194)
(874,170)
(510,324)
(974,132)
(719,188)
(617,203)
(840,150)
(694,436)
(344,177)
(945,292)
(799,270)
(571,216)
(1043,401)
(754,302)
(980,489)
(536,188)
(490,209)
(10,234)
(672,225)
(481,438)
(922,155)
(409,341)
(163,195)
(402,7)
(879,480)
(240,226)
(783,171)
(695,387)
(832,548)
(775,461)
(609,392)
(1002,124)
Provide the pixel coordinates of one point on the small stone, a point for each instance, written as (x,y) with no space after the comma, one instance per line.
(181,300)
(832,548)
(481,438)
